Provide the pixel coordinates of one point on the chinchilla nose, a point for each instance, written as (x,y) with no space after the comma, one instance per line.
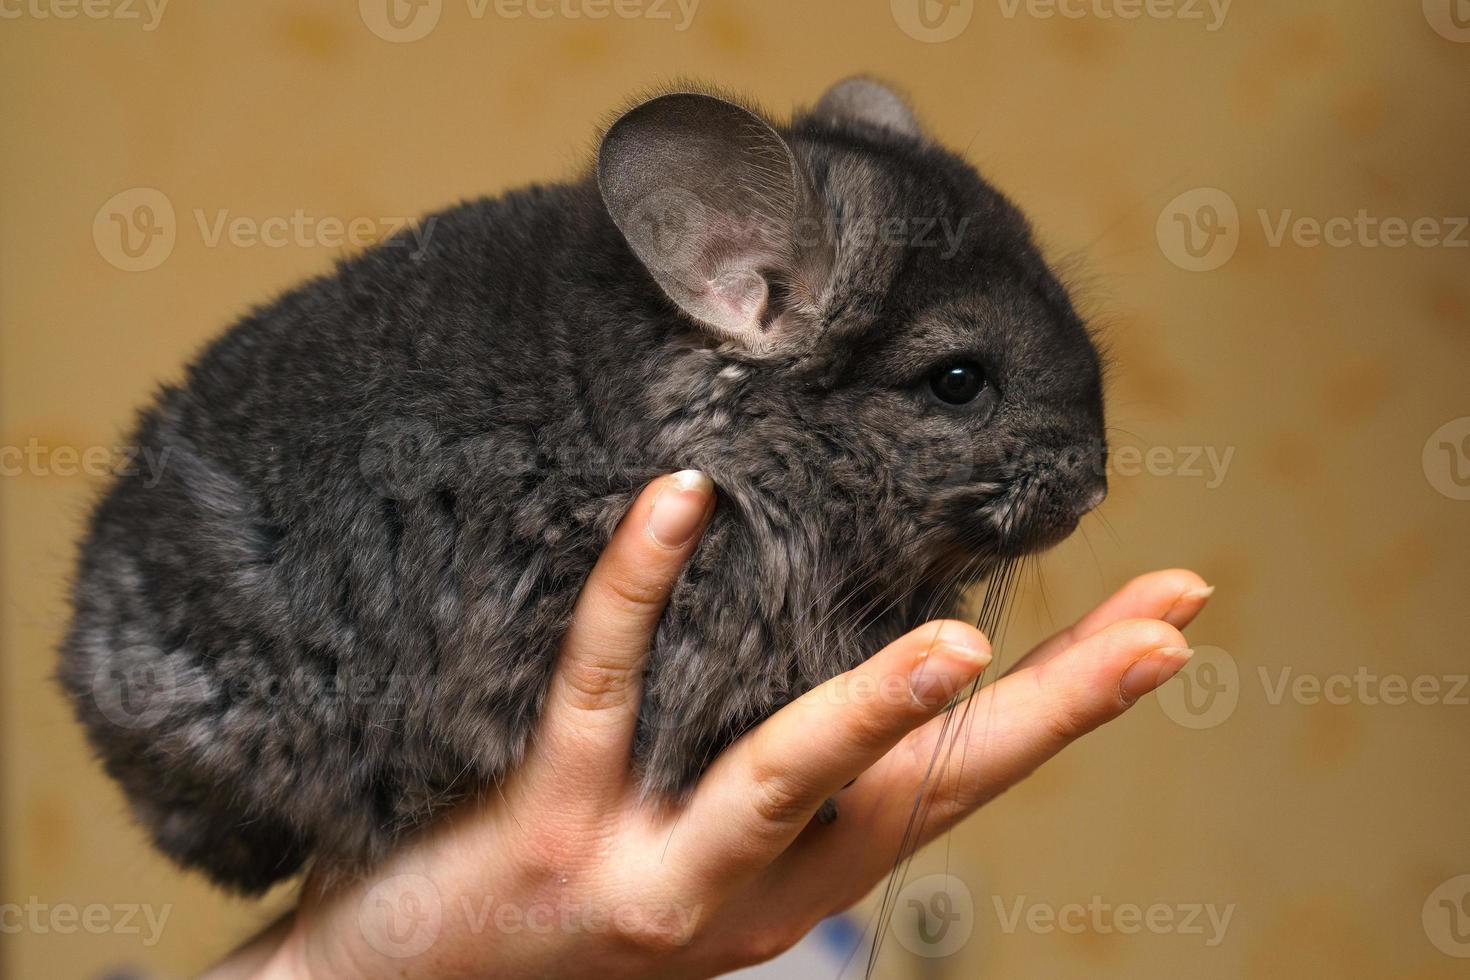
(1092,501)
(1085,472)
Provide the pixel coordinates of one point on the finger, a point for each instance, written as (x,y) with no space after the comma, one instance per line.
(592,702)
(992,742)
(759,795)
(1175,596)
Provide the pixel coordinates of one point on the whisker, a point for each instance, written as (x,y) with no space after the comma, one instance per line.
(993,617)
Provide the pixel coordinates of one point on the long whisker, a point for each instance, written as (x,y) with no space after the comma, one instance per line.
(993,617)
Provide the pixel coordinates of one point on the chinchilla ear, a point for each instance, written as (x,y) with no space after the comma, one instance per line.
(868,102)
(715,205)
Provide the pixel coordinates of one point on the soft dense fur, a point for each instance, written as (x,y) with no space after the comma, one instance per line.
(334,608)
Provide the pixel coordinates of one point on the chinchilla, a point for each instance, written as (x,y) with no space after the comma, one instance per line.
(332,607)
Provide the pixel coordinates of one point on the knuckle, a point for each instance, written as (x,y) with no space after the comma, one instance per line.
(636,590)
(1179,577)
(658,929)
(546,851)
(920,753)
(1151,633)
(593,683)
(1145,580)
(1068,721)
(870,725)
(967,796)
(777,801)
(959,632)
(1065,717)
(766,942)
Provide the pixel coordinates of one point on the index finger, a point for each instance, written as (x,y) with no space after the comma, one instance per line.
(591,709)
(759,795)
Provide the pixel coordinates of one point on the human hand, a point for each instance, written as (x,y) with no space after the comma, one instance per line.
(567,870)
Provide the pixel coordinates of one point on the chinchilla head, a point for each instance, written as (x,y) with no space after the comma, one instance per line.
(890,343)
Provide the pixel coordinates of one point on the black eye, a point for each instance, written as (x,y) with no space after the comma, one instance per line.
(957,384)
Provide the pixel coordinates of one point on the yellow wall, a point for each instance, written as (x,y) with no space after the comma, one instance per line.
(1324,370)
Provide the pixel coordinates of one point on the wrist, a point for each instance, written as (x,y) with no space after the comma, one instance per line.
(289,959)
(271,954)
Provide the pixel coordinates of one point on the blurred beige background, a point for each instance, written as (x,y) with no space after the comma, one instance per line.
(1277,419)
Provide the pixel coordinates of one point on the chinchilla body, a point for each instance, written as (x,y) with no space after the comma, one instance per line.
(332,606)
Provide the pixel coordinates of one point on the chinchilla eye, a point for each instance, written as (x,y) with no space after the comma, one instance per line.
(957,384)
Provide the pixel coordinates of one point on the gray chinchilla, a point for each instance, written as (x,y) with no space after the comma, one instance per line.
(332,608)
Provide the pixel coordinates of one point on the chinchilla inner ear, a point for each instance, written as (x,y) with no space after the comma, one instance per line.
(715,205)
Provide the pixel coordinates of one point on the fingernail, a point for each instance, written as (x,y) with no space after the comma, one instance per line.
(941,669)
(1189,598)
(1151,671)
(679,508)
